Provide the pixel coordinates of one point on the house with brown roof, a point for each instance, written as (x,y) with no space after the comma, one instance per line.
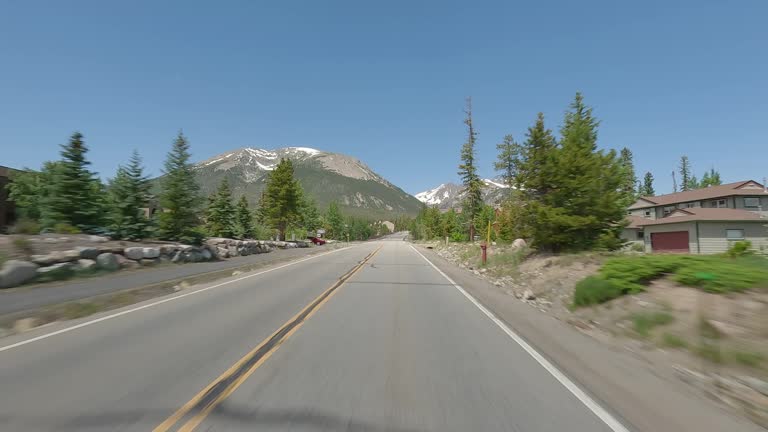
(701,221)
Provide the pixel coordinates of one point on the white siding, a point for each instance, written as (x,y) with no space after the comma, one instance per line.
(712,235)
(681,226)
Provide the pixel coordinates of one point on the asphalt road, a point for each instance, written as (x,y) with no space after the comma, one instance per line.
(25,298)
(394,346)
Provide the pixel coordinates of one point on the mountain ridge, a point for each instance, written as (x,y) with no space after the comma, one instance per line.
(449,195)
(325,177)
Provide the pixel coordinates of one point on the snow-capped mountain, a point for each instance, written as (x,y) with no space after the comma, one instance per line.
(325,177)
(450,195)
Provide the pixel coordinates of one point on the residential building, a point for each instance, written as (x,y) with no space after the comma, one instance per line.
(704,221)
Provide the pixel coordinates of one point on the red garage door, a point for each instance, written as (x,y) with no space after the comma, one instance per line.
(676,241)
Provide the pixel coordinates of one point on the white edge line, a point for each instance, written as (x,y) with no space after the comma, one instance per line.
(159,302)
(590,403)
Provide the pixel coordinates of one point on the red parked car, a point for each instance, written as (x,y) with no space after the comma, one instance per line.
(317,241)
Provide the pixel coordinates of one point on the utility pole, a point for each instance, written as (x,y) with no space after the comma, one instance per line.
(674,182)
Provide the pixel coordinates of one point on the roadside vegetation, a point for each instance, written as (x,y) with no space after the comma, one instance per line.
(66,197)
(631,274)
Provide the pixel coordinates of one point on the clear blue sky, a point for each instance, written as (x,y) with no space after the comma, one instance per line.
(384,81)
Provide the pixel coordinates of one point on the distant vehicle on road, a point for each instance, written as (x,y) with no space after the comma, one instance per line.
(317,241)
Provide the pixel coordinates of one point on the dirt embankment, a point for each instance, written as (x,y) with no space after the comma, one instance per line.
(717,343)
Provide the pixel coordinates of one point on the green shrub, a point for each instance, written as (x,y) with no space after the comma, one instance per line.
(637,247)
(740,248)
(748,358)
(594,290)
(643,323)
(26,226)
(711,273)
(673,341)
(64,228)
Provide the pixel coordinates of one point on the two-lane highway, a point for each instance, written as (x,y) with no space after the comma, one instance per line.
(367,338)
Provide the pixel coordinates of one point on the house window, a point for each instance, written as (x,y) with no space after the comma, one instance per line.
(721,203)
(751,203)
(647,213)
(690,205)
(668,210)
(734,234)
(640,235)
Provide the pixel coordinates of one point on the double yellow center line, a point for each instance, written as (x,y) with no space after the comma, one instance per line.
(198,408)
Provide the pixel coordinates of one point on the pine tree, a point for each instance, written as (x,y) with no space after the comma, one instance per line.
(629,186)
(473,185)
(507,161)
(244,226)
(647,188)
(584,207)
(537,167)
(710,178)
(309,216)
(128,194)
(220,216)
(72,199)
(179,198)
(685,174)
(334,221)
(280,204)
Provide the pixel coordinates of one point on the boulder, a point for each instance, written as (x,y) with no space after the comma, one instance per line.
(519,244)
(134,253)
(85,265)
(108,261)
(528,295)
(43,260)
(206,254)
(89,253)
(150,252)
(233,252)
(168,250)
(178,257)
(56,271)
(222,252)
(98,239)
(15,273)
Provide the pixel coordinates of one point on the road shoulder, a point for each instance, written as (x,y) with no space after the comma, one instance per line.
(645,398)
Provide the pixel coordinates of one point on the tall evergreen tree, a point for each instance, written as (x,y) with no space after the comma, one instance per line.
(629,186)
(281,198)
(685,174)
(473,185)
(646,189)
(179,198)
(72,199)
(128,195)
(220,215)
(507,161)
(537,168)
(309,216)
(585,208)
(334,221)
(244,226)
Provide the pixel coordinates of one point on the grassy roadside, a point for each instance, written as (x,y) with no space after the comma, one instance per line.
(631,274)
